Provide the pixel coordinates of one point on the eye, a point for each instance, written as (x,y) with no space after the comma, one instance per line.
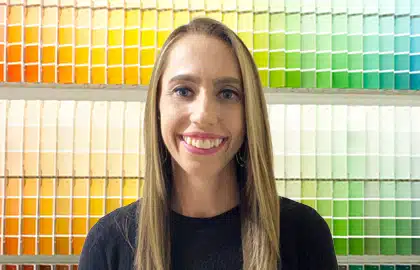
(229,94)
(182,91)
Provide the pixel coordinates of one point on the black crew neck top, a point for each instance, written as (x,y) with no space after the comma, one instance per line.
(211,243)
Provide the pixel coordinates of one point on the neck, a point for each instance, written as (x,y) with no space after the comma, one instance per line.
(204,195)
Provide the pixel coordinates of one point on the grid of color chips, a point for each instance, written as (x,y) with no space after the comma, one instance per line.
(379,267)
(341,267)
(295,43)
(39,267)
(65,164)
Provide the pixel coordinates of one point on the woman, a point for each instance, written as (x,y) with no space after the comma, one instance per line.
(209,198)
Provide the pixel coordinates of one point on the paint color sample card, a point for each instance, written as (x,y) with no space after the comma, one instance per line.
(295,43)
(65,164)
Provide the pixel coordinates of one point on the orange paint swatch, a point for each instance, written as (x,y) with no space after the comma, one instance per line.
(14,34)
(2,33)
(12,207)
(77,245)
(29,206)
(131,75)
(14,73)
(46,206)
(11,246)
(65,36)
(65,74)
(32,35)
(31,73)
(14,53)
(11,226)
(65,55)
(48,74)
(62,246)
(79,226)
(28,245)
(31,54)
(45,226)
(62,226)
(2,79)
(45,246)
(82,75)
(48,54)
(98,75)
(28,226)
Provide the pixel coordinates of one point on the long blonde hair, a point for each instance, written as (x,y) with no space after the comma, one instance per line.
(259,202)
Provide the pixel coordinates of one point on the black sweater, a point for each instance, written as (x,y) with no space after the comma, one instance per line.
(211,243)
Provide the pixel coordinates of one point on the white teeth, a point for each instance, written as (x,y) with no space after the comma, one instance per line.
(188,140)
(203,143)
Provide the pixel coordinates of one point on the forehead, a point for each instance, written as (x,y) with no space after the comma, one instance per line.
(203,56)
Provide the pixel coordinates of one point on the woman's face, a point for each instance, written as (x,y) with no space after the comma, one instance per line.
(201,105)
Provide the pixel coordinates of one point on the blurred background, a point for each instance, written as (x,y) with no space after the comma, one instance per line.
(340,78)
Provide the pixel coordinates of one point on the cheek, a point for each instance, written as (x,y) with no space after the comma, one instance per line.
(235,122)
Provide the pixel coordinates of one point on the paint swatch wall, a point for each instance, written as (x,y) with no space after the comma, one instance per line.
(295,43)
(63,165)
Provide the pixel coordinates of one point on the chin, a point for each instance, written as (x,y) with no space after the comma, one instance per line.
(195,168)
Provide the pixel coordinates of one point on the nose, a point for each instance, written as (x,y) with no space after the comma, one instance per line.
(204,110)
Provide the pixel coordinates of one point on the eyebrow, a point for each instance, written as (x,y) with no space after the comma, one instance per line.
(196,79)
(185,77)
(228,80)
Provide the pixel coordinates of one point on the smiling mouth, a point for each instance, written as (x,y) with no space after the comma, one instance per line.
(202,143)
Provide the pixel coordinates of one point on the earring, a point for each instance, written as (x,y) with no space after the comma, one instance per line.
(240,160)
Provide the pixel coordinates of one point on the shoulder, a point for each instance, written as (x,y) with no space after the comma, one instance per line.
(304,229)
(116,224)
(302,219)
(298,213)
(114,232)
